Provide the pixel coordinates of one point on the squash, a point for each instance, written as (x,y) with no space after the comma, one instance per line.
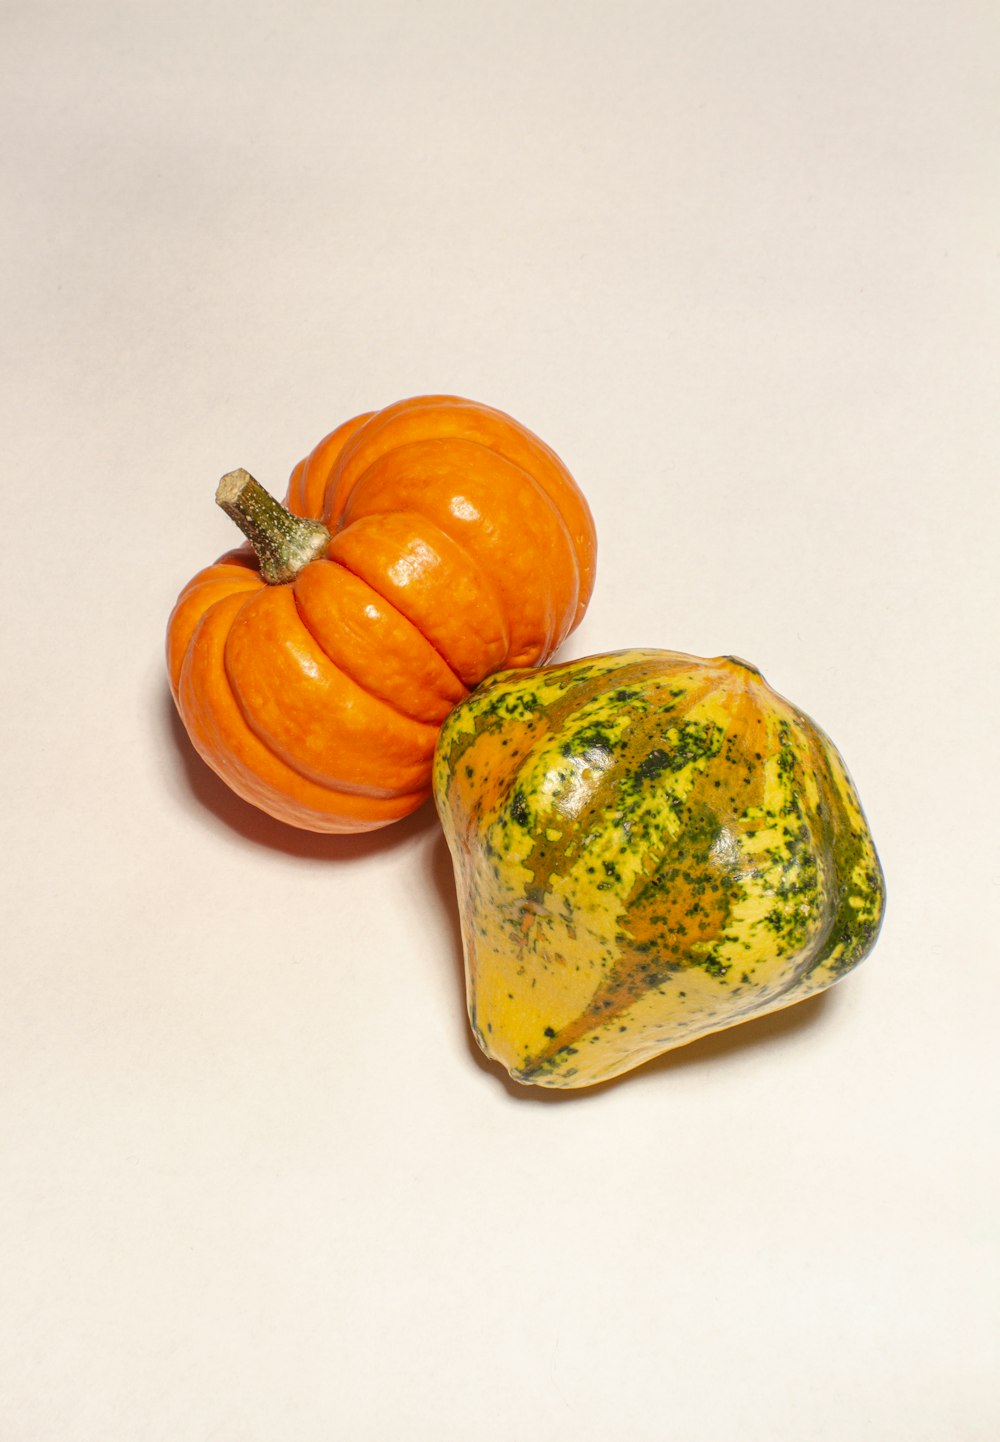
(647,847)
(422,547)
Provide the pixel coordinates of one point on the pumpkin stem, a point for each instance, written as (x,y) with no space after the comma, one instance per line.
(284,543)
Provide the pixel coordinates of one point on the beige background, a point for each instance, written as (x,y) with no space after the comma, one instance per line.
(740,264)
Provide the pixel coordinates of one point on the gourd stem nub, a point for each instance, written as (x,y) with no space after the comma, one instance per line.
(284,543)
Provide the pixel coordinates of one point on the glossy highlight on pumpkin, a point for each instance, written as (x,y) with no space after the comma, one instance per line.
(459,545)
(648,847)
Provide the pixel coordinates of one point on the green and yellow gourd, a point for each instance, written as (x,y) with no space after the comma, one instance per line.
(648,847)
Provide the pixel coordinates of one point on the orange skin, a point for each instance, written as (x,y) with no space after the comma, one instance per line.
(460,545)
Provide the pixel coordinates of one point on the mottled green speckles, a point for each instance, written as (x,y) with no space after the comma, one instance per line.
(518,808)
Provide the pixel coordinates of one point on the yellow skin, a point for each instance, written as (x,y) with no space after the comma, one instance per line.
(648,847)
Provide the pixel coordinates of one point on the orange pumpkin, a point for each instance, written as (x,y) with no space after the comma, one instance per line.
(423,547)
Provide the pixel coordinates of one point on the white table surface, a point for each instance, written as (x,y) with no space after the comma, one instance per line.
(739,263)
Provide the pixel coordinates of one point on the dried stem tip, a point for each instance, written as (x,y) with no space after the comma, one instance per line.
(284,543)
